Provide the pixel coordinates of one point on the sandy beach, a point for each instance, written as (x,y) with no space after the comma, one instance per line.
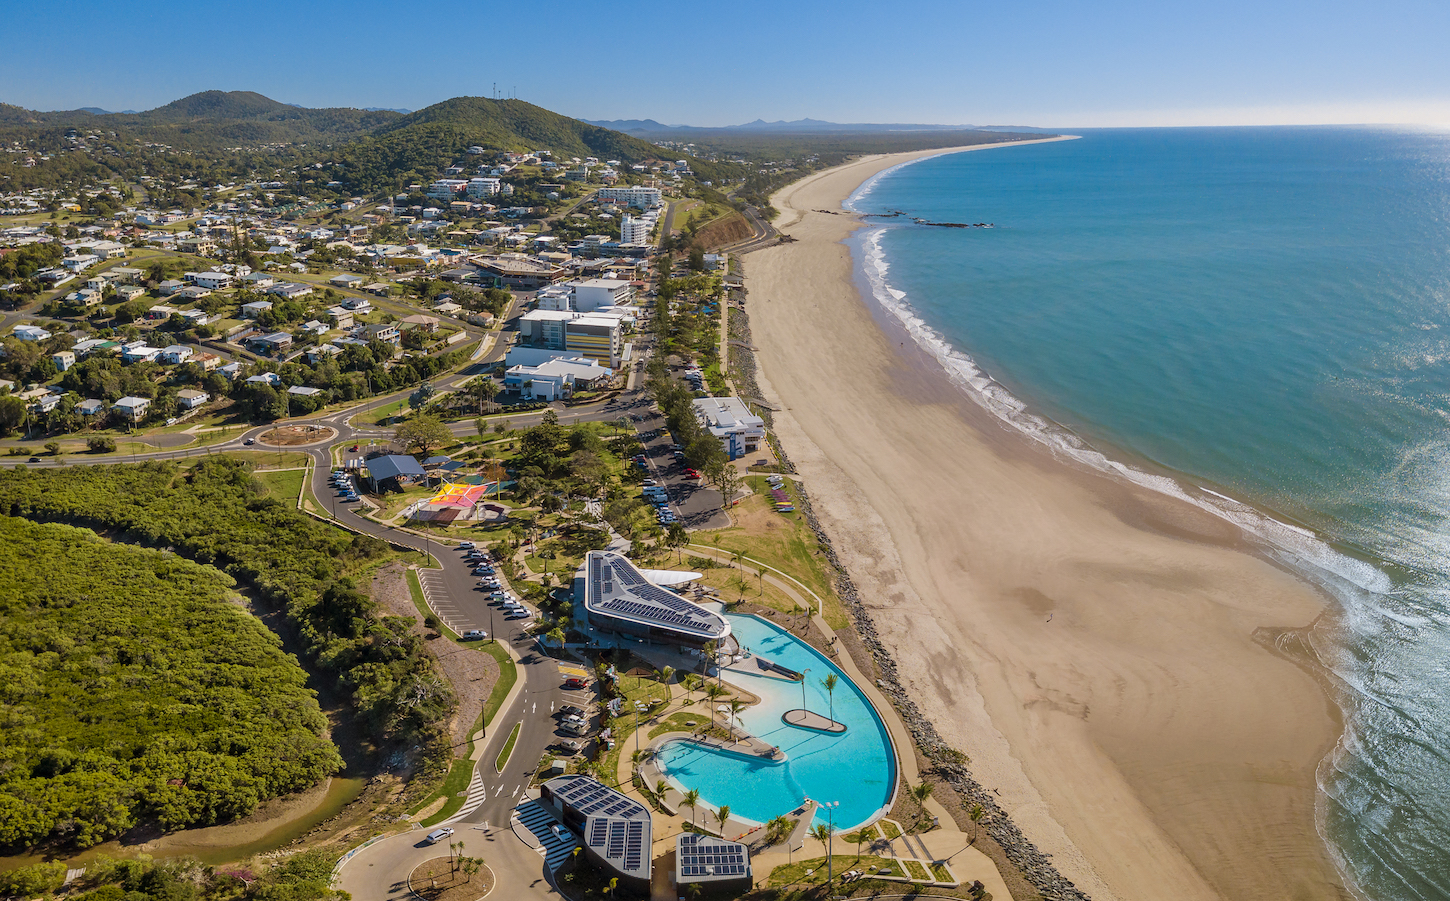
(1091,645)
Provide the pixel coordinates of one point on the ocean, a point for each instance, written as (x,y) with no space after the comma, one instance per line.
(1256,320)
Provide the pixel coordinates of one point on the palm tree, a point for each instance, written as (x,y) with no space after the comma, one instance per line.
(922,792)
(830,683)
(661,786)
(722,816)
(736,705)
(821,833)
(857,838)
(976,817)
(613,884)
(713,691)
(691,682)
(778,828)
(692,800)
(471,865)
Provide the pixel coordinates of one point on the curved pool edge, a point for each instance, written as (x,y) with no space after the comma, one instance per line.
(874,702)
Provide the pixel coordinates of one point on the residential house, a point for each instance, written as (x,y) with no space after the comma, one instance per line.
(170,287)
(132,408)
(30,333)
(360,306)
(276,341)
(341,317)
(175,354)
(347,281)
(140,353)
(212,281)
(265,378)
(127,293)
(290,290)
(190,398)
(257,281)
(230,370)
(90,407)
(428,324)
(322,352)
(383,331)
(63,360)
(255,308)
(207,361)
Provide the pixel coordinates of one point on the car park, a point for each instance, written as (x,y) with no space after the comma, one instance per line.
(473,635)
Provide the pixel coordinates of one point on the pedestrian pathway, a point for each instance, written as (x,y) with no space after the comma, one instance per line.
(540,823)
(477,794)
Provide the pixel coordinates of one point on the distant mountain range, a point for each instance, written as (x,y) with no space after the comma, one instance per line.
(797,127)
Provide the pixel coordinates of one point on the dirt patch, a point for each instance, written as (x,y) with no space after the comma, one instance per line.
(470,672)
(438,880)
(296,435)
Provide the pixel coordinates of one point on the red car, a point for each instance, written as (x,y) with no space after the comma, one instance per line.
(574,684)
(691,474)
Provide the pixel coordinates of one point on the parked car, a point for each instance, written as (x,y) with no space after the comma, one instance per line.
(568,746)
(574,683)
(516,614)
(572,709)
(465,546)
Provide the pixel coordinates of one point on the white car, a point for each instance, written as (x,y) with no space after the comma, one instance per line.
(438,835)
(473,635)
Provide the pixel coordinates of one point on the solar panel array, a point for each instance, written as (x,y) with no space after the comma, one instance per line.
(634,845)
(593,798)
(642,600)
(702,856)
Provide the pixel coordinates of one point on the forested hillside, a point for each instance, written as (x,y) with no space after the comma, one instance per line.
(419,144)
(215,513)
(131,689)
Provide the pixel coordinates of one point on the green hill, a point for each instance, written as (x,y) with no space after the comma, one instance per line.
(418,145)
(220,105)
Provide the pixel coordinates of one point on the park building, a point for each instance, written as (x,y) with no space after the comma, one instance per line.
(616,829)
(620,599)
(729,419)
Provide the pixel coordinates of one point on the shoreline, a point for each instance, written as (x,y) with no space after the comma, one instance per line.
(1089,643)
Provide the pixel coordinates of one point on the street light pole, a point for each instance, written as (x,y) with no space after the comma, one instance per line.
(803,691)
(830,845)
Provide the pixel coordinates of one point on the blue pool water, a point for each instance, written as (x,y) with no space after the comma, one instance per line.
(857,768)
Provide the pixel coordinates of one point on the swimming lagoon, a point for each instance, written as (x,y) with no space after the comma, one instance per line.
(856,768)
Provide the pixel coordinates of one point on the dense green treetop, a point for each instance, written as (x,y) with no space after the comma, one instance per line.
(132,689)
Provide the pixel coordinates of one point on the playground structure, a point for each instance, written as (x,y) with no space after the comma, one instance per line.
(459,500)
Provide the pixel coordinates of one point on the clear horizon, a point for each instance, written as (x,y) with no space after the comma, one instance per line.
(1056,65)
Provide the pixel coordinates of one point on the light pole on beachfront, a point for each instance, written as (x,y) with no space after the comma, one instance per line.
(830,845)
(804,708)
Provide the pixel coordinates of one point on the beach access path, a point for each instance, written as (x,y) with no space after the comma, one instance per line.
(1090,644)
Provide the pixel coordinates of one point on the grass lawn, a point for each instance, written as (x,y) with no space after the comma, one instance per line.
(797,873)
(380,415)
(890,830)
(285,484)
(508,748)
(916,871)
(784,541)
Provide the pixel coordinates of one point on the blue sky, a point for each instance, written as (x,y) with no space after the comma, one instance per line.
(1052,64)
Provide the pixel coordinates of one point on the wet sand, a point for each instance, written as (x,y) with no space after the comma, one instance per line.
(1090,644)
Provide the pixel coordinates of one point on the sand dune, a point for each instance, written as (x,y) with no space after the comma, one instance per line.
(1088,643)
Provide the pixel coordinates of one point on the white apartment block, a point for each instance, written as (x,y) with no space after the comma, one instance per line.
(633,195)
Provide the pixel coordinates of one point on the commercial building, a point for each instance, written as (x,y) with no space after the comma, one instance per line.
(555,378)
(544,328)
(616,829)
(597,337)
(619,599)
(592,294)
(739,430)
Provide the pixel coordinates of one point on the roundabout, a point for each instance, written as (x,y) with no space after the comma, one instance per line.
(449,879)
(297,435)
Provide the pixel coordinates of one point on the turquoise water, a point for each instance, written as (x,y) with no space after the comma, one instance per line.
(856,768)
(1262,313)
